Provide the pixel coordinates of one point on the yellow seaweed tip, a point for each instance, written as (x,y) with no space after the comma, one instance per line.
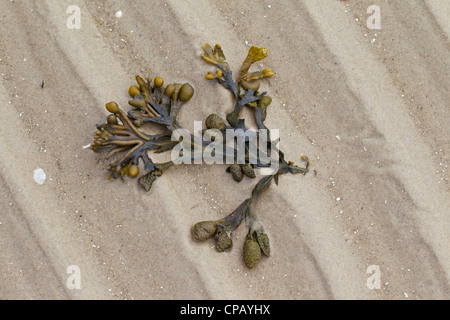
(158,81)
(133,91)
(112,107)
(133,171)
(186,92)
(267,73)
(258,53)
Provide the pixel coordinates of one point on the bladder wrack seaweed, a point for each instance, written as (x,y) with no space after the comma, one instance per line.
(124,143)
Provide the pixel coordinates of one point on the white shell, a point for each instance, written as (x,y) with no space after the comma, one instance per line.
(39,176)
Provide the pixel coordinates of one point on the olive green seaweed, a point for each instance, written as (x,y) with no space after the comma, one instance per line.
(125,144)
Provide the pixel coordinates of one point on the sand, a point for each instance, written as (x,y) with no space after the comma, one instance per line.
(368,106)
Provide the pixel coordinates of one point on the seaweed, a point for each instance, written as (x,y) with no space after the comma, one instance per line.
(125,144)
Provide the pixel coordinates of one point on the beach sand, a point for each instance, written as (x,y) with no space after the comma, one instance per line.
(369,107)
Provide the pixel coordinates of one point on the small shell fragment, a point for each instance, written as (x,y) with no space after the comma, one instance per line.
(39,176)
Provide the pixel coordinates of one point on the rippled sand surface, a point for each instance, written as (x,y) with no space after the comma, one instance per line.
(369,107)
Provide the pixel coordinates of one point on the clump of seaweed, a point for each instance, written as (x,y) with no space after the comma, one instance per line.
(125,144)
